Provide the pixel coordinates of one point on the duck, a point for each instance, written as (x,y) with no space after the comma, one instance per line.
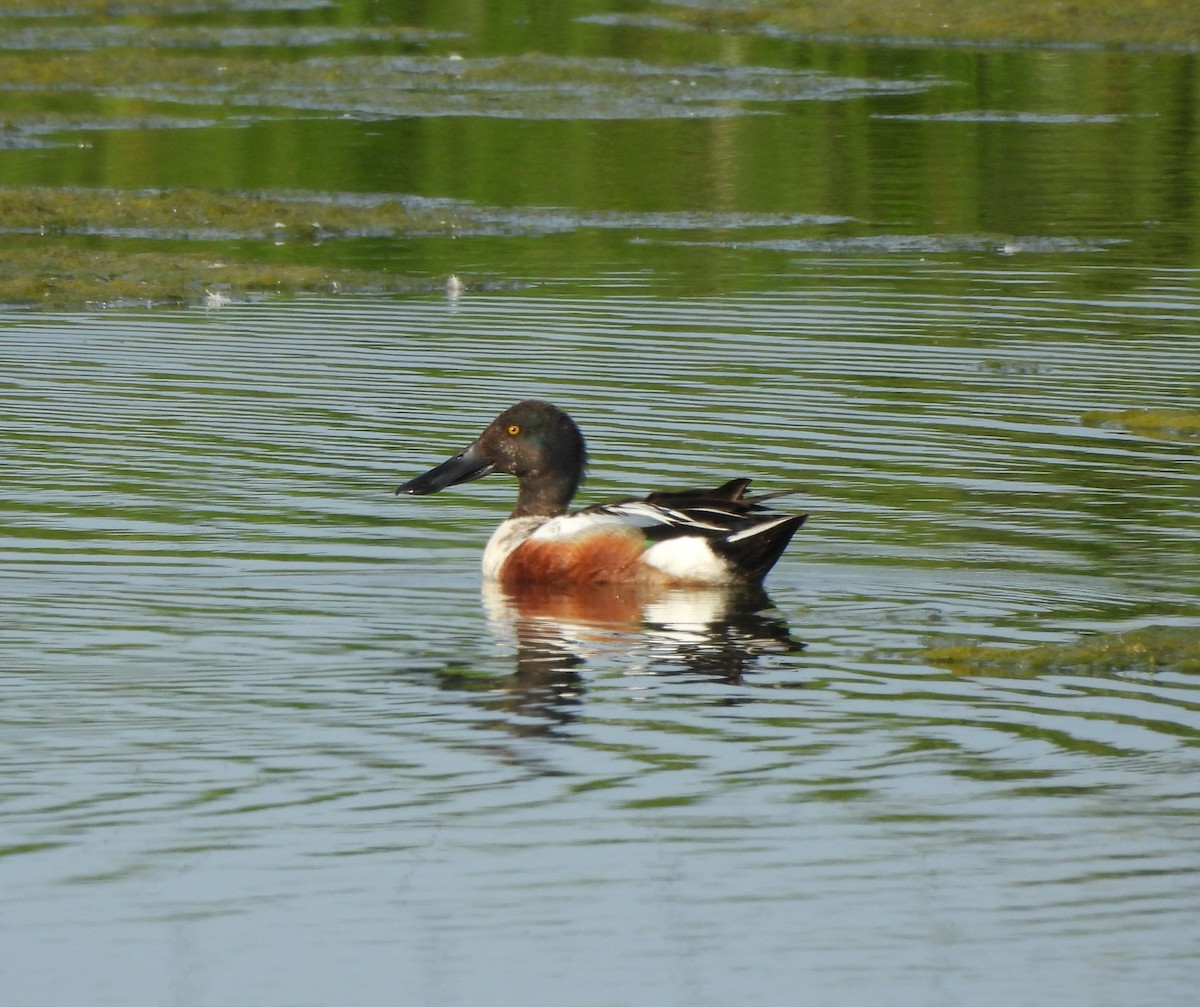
(684,537)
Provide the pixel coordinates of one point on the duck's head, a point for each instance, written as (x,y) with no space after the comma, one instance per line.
(536,442)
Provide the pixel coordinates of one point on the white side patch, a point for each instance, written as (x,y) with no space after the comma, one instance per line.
(687,558)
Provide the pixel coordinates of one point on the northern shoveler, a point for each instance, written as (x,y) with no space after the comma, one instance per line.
(718,536)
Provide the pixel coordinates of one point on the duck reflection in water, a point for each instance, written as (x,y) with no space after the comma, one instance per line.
(717,633)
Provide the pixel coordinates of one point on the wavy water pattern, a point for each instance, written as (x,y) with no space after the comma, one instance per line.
(240,677)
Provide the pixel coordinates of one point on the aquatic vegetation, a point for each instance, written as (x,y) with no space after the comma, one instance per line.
(191,213)
(124,8)
(51,270)
(1168,23)
(1168,424)
(198,36)
(1135,22)
(81,75)
(63,277)
(528,86)
(42,263)
(1152,649)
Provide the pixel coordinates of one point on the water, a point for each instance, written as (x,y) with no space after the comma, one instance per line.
(258,713)
(269,739)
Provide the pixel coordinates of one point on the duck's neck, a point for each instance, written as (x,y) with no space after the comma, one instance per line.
(544,495)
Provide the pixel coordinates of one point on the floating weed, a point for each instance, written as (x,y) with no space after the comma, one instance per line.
(1166,424)
(138,35)
(1155,648)
(107,9)
(1167,23)
(62,277)
(59,274)
(1137,22)
(530,86)
(204,213)
(41,262)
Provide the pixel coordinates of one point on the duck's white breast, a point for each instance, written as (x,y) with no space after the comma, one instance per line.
(505,539)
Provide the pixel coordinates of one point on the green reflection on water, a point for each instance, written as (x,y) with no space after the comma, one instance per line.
(535,123)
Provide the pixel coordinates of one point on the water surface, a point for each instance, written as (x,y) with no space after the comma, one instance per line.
(270,739)
(258,710)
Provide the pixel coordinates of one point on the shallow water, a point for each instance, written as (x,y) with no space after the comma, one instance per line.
(257,711)
(269,738)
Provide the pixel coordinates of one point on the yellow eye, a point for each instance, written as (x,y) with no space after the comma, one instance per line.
(513,430)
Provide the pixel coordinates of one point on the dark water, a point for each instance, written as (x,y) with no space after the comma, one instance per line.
(269,739)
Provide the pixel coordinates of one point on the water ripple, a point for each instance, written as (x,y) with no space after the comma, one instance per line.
(227,644)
